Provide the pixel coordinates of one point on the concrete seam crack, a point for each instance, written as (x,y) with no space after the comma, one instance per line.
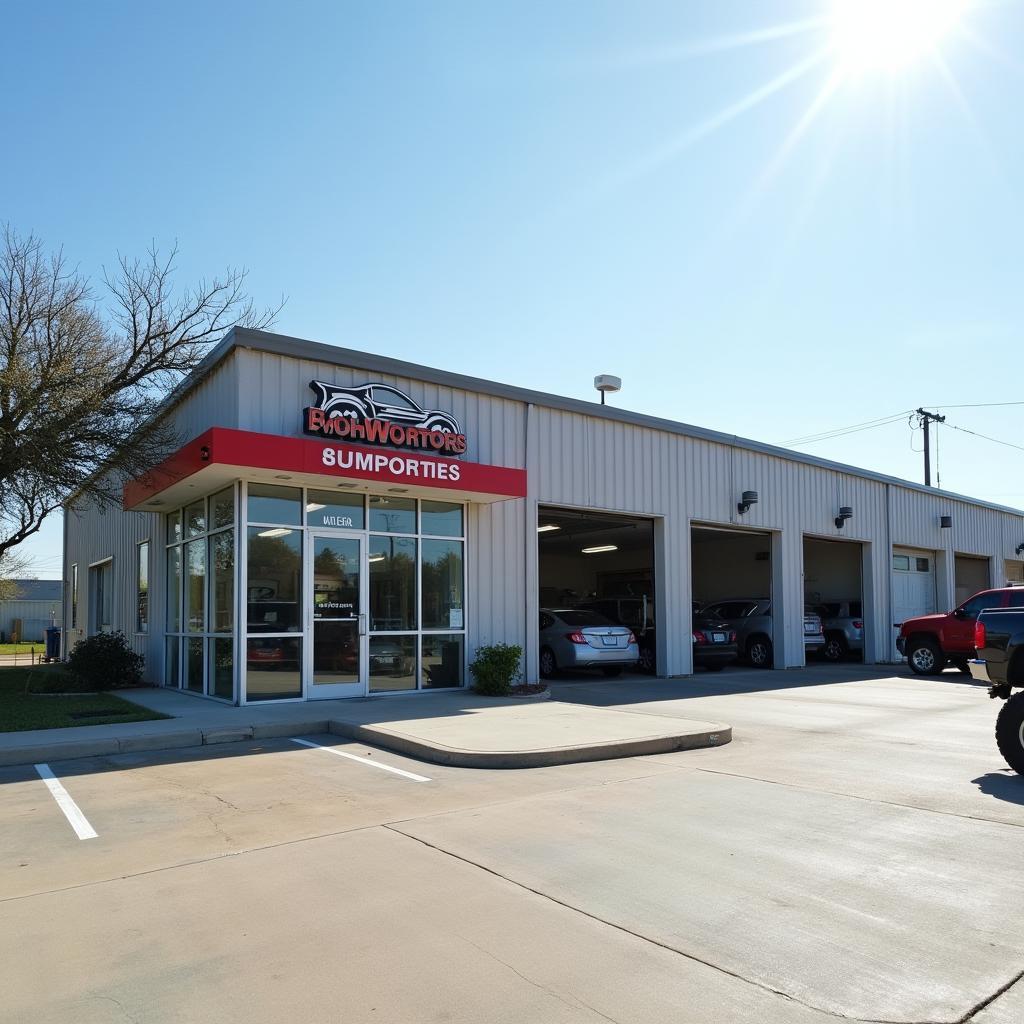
(678,952)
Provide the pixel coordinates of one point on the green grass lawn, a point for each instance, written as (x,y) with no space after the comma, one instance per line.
(21,710)
(39,647)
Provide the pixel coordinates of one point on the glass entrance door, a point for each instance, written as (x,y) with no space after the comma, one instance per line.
(335,654)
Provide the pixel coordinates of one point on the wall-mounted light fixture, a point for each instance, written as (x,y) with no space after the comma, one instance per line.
(204,453)
(946,522)
(845,512)
(1019,549)
(749,498)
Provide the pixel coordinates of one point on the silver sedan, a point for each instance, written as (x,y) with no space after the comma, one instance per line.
(576,638)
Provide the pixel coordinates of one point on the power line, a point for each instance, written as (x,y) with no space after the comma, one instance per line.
(852,429)
(995,440)
(975,405)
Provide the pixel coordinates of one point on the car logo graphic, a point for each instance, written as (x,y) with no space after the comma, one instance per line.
(380,402)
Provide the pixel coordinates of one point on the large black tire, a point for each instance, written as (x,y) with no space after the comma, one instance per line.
(1010,732)
(925,658)
(611,671)
(759,652)
(835,648)
(548,664)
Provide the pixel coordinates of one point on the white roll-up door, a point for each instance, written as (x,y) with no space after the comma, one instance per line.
(913,583)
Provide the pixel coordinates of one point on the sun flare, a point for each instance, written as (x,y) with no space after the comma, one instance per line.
(889,35)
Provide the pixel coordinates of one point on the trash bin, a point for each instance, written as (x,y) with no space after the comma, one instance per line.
(53,643)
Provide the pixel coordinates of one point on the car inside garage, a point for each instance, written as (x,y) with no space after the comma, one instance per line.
(603,564)
(732,585)
(834,590)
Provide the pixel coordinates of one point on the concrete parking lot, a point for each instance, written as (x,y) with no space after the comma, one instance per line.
(852,854)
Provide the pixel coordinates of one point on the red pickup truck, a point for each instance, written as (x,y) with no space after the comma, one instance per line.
(931,642)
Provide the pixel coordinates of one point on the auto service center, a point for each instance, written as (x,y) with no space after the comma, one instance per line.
(338,523)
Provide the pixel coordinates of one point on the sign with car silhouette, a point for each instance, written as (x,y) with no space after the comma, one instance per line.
(380,414)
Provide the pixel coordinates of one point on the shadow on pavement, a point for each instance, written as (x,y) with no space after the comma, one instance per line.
(580,688)
(1006,786)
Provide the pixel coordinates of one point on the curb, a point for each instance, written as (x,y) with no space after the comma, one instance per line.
(434,753)
(458,757)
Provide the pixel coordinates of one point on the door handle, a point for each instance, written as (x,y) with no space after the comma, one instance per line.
(362,624)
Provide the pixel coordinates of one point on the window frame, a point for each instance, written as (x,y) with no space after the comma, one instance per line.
(142,622)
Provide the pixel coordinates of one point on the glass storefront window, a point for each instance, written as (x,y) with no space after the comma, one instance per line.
(272,668)
(222,667)
(173,527)
(194,664)
(443,518)
(392,562)
(275,581)
(441,662)
(222,508)
(442,584)
(195,518)
(335,511)
(173,645)
(173,590)
(195,586)
(222,582)
(269,503)
(392,663)
(392,515)
(142,588)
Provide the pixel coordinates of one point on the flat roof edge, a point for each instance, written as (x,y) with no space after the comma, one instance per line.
(319,351)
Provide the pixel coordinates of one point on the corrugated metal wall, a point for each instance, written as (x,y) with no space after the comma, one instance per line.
(585,461)
(34,616)
(93,533)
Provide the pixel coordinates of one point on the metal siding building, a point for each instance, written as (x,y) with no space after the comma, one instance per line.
(36,605)
(575,455)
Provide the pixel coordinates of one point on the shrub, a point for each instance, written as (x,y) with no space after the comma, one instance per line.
(106,661)
(496,669)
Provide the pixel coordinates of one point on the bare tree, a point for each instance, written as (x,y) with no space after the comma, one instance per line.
(78,379)
(12,568)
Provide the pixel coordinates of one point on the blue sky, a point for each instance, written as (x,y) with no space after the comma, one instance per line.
(539,192)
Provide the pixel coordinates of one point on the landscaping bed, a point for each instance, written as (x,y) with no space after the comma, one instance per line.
(46,698)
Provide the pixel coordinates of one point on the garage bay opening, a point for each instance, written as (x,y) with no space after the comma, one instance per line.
(834,591)
(732,591)
(597,592)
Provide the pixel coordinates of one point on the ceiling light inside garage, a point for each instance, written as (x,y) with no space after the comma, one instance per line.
(547,528)
(314,506)
(276,532)
(599,549)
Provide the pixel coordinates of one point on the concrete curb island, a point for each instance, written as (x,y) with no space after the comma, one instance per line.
(460,730)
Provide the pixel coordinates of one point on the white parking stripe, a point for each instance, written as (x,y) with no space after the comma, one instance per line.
(364,760)
(76,818)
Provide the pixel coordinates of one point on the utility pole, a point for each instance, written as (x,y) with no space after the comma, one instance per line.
(924,419)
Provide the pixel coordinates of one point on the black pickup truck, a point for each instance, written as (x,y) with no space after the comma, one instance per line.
(999,661)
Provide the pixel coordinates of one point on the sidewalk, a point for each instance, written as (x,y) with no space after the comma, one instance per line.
(455,728)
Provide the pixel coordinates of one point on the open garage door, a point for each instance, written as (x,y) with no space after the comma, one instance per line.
(732,584)
(600,563)
(972,575)
(834,590)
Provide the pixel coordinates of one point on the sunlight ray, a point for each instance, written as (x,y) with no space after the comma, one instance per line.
(716,44)
(662,155)
(981,137)
(746,206)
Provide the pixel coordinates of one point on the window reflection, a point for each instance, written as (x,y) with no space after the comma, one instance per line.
(392,583)
(275,581)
